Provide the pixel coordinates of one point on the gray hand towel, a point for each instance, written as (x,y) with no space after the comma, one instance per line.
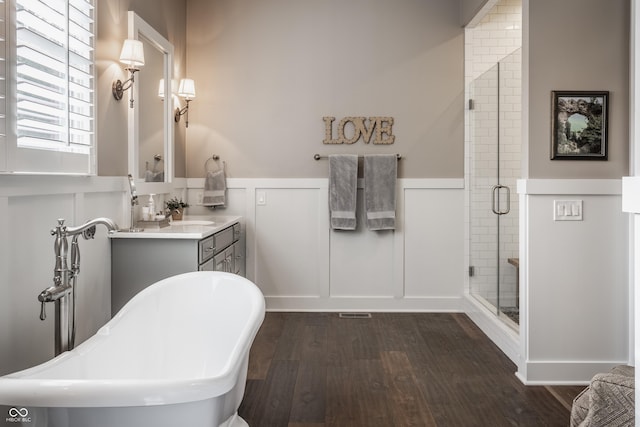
(380,174)
(150,176)
(215,188)
(343,187)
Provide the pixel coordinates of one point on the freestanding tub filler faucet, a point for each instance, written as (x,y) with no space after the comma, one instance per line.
(64,279)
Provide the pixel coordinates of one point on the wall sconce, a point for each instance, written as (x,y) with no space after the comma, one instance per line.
(187,90)
(132,55)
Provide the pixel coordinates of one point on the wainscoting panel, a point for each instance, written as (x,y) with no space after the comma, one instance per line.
(31,206)
(574,279)
(361,259)
(433,236)
(287,242)
(94,288)
(30,271)
(299,263)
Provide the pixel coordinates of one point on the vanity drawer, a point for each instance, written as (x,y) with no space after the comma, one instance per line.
(206,249)
(207,266)
(223,239)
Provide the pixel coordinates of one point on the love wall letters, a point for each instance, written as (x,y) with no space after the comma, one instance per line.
(381,125)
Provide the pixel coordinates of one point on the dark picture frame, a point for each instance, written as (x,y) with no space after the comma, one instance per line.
(579,125)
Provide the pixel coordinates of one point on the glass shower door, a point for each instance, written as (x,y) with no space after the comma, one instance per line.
(493,169)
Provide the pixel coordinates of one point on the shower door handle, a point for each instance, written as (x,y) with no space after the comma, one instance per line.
(496,209)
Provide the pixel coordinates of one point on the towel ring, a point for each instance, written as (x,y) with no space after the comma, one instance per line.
(213,160)
(158,164)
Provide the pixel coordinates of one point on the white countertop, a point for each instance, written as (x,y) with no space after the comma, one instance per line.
(185,229)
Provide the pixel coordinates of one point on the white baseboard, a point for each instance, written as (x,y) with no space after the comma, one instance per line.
(379,304)
(566,372)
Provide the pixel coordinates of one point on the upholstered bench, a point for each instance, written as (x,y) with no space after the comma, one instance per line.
(608,401)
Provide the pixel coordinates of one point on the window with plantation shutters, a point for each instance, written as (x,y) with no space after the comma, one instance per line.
(52,119)
(3,87)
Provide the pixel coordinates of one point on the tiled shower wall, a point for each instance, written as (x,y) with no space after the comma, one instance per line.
(496,38)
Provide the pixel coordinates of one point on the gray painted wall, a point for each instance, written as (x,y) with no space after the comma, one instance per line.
(168,17)
(469,9)
(268,71)
(578,45)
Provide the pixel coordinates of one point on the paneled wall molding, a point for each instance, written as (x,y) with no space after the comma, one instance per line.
(631,194)
(570,186)
(301,264)
(29,209)
(33,185)
(580,264)
(5,303)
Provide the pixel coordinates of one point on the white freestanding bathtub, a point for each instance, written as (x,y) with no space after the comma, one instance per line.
(175,355)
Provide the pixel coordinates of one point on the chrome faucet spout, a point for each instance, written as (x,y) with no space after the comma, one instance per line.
(86,231)
(64,278)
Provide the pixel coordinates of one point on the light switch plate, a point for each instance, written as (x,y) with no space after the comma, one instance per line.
(567,210)
(261,198)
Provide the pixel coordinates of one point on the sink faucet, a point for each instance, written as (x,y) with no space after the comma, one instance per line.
(64,278)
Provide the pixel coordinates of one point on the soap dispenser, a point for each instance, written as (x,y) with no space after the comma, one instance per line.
(152,207)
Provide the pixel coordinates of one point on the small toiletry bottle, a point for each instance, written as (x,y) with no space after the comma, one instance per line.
(152,207)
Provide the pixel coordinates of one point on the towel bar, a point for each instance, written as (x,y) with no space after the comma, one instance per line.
(319,157)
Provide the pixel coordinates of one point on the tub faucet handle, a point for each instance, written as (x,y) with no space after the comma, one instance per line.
(43,313)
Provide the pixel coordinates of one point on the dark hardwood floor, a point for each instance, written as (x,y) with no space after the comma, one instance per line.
(394,369)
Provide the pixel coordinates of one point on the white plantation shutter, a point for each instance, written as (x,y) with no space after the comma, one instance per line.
(55,95)
(3,86)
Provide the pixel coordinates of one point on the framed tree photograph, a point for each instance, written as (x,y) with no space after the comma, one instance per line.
(579,125)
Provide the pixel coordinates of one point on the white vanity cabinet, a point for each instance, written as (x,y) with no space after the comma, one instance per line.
(138,261)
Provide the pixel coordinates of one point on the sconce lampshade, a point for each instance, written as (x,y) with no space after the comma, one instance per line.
(132,53)
(187,89)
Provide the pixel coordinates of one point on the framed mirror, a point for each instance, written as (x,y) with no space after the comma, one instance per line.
(151,118)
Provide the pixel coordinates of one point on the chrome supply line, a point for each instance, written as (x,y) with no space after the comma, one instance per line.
(64,279)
